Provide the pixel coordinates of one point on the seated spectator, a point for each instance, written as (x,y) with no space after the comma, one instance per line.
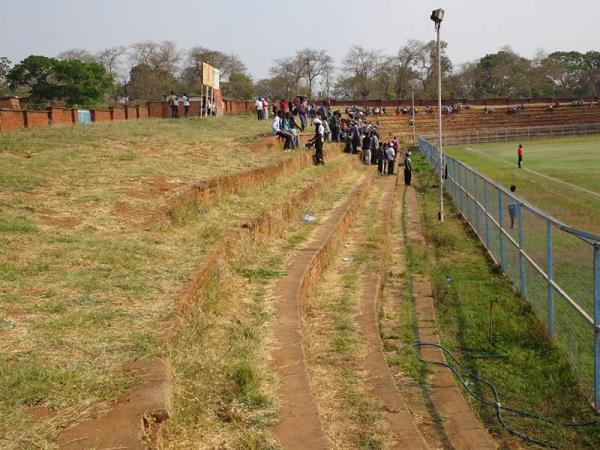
(277,128)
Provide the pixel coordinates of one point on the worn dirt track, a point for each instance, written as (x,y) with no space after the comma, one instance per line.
(463,429)
(300,426)
(402,424)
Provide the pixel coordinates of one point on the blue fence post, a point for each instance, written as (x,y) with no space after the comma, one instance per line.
(597,325)
(550,273)
(485,211)
(522,286)
(501,231)
(467,200)
(476,209)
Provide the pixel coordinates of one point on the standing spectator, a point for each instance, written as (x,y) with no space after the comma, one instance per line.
(512,208)
(172,99)
(408,168)
(380,155)
(186,104)
(318,141)
(391,159)
(520,156)
(366,147)
(277,128)
(265,111)
(374,146)
(259,108)
(355,135)
(395,144)
(302,112)
(325,125)
(335,127)
(283,105)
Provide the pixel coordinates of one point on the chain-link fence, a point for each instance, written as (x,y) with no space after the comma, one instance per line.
(554,266)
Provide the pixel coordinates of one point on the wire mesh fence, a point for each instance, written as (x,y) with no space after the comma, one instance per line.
(554,266)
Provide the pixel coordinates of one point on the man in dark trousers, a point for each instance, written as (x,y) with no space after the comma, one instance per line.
(318,140)
(408,168)
(520,156)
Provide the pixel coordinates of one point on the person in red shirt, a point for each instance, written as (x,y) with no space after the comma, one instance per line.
(283,105)
(520,156)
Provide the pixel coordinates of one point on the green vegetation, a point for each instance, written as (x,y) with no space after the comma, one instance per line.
(480,315)
(73,81)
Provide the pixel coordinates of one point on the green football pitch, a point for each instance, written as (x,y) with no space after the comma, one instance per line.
(560,176)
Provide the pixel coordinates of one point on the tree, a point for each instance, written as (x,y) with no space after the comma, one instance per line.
(360,65)
(288,73)
(384,78)
(463,83)
(148,83)
(158,55)
(76,54)
(238,87)
(80,83)
(404,67)
(312,64)
(35,73)
(227,64)
(4,69)
(110,59)
(426,65)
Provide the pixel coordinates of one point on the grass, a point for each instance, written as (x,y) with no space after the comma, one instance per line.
(335,346)
(83,285)
(532,373)
(573,160)
(224,392)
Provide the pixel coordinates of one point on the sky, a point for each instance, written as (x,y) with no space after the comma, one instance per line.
(259,31)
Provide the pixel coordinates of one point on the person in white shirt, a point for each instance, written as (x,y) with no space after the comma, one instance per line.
(259,108)
(186,103)
(390,154)
(277,128)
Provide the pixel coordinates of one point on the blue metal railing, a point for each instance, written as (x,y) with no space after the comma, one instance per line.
(554,266)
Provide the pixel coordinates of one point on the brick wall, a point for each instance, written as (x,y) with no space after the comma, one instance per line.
(11,119)
(100,115)
(35,119)
(118,113)
(142,111)
(157,109)
(131,112)
(62,116)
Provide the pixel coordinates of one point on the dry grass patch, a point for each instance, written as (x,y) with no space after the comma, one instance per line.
(334,344)
(76,302)
(225,394)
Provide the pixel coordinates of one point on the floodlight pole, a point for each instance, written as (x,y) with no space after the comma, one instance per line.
(413,119)
(440,147)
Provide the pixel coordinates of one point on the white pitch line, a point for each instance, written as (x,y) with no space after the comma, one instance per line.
(558,180)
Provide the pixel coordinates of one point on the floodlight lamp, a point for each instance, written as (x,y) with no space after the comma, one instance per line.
(437,15)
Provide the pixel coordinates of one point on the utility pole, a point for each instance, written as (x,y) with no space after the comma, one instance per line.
(437,16)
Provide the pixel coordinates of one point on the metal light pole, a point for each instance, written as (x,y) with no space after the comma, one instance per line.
(413,119)
(437,16)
